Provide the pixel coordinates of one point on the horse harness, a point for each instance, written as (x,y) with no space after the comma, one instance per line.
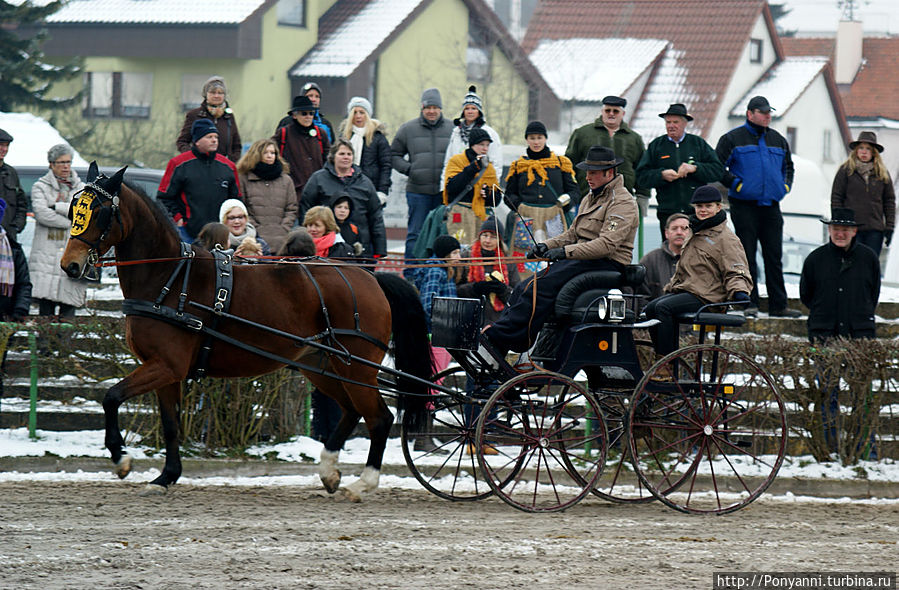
(93,198)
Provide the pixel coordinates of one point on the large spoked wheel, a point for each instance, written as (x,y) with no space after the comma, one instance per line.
(707,430)
(618,482)
(542,442)
(439,453)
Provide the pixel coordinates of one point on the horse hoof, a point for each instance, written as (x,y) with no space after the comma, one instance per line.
(351,495)
(153,489)
(331,482)
(123,467)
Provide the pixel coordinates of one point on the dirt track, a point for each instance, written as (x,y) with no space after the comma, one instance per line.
(102,535)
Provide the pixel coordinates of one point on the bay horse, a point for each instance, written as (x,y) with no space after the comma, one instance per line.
(343,307)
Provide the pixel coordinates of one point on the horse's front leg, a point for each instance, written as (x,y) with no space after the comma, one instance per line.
(169,398)
(145,378)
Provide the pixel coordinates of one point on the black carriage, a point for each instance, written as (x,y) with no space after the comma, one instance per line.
(703,429)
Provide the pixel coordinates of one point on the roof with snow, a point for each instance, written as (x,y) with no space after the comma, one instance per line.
(362,28)
(707,39)
(820,18)
(155,11)
(580,69)
(32,138)
(783,85)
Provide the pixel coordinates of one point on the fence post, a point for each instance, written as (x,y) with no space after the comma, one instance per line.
(32,390)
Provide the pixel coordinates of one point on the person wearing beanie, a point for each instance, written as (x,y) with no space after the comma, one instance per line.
(217,110)
(438,276)
(417,152)
(758,175)
(675,164)
(470,186)
(610,130)
(243,237)
(712,269)
(11,192)
(197,182)
(472,117)
(302,143)
(371,150)
(493,278)
(540,186)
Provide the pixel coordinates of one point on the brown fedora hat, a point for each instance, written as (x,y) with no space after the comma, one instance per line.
(600,158)
(866,137)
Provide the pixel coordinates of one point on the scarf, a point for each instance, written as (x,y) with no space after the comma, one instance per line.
(324,243)
(464,130)
(234,241)
(358,142)
(478,273)
(7,266)
(697,224)
(268,171)
(865,169)
(539,166)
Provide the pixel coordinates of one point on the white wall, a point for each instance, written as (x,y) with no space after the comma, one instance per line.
(812,115)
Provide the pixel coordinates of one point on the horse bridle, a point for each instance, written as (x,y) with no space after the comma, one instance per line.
(105,215)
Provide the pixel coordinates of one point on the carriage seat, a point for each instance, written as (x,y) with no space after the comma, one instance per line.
(708,318)
(576,296)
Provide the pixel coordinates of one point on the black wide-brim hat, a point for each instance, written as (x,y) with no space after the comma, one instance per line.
(600,158)
(866,137)
(841,216)
(677,109)
(301,103)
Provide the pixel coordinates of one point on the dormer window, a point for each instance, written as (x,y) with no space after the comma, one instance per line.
(755,51)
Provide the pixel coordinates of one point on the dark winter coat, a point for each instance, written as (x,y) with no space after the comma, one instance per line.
(318,120)
(626,143)
(16,201)
(194,187)
(874,202)
(17,305)
(660,265)
(229,137)
(376,162)
(759,167)
(305,149)
(425,145)
(325,185)
(840,288)
(535,190)
(272,205)
(662,154)
(348,230)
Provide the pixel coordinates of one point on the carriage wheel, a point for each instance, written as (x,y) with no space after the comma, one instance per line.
(450,470)
(618,482)
(707,430)
(542,442)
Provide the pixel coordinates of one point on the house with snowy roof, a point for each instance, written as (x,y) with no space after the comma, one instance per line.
(710,55)
(146,62)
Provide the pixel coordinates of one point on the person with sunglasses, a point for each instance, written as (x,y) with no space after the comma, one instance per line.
(302,143)
(610,130)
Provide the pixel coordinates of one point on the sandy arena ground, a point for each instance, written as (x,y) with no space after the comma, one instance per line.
(103,535)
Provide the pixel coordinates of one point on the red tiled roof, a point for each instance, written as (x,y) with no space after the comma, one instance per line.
(711,34)
(873,92)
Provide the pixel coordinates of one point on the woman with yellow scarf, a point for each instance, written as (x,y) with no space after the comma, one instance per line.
(470,180)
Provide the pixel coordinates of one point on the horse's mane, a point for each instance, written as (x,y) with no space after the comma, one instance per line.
(160,215)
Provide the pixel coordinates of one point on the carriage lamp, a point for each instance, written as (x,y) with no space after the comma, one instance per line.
(612,307)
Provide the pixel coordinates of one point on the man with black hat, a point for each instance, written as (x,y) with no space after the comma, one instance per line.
(313,92)
(759,173)
(197,182)
(676,164)
(11,192)
(601,237)
(418,151)
(840,283)
(302,143)
(610,130)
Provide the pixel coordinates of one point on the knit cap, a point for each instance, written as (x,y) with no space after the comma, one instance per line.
(358,101)
(431,98)
(201,128)
(443,245)
(472,98)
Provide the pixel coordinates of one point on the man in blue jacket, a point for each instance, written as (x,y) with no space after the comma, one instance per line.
(759,173)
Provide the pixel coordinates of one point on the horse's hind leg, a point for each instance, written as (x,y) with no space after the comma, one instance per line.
(327,468)
(169,398)
(379,420)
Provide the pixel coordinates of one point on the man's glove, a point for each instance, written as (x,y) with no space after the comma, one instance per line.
(538,251)
(483,288)
(741,296)
(382,197)
(887,237)
(555,254)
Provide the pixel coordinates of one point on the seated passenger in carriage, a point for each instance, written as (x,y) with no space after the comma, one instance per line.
(712,269)
(601,237)
(491,280)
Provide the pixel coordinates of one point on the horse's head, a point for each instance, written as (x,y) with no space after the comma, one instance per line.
(96,221)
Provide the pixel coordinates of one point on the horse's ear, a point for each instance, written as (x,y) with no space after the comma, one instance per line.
(115,183)
(93,171)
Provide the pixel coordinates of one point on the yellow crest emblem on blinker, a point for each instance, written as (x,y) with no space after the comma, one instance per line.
(81,213)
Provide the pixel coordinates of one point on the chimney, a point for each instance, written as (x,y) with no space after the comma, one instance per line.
(848,56)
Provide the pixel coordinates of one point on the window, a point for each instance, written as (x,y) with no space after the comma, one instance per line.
(292,13)
(755,51)
(791,138)
(826,143)
(118,95)
(192,90)
(480,49)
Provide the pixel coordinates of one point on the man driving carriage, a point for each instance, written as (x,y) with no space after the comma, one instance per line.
(601,237)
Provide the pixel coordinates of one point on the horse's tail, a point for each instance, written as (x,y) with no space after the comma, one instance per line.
(412,349)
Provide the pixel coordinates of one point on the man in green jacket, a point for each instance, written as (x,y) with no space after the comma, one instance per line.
(609,130)
(676,164)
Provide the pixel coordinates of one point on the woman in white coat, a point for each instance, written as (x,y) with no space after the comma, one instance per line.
(50,200)
(472,117)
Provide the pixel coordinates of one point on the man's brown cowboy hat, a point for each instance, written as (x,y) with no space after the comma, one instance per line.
(600,158)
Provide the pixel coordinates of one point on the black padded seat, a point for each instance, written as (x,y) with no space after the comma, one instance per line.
(713,319)
(577,295)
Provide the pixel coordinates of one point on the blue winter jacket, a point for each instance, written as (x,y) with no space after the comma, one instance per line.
(758,164)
